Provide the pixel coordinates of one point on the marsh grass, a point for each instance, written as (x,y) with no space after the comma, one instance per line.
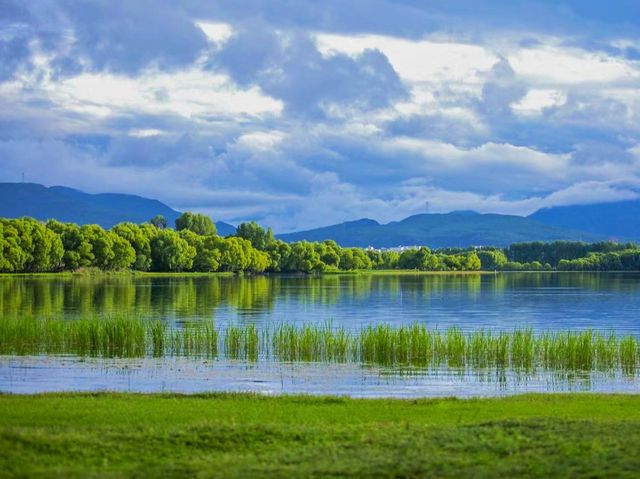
(411,346)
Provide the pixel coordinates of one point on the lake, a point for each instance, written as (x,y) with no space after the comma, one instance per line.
(542,301)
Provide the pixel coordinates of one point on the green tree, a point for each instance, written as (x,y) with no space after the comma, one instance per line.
(376,257)
(354,258)
(45,247)
(234,255)
(170,252)
(208,254)
(101,245)
(77,249)
(390,259)
(278,252)
(491,259)
(256,234)
(329,253)
(4,264)
(473,262)
(303,258)
(14,256)
(159,222)
(421,258)
(208,250)
(124,255)
(198,223)
(139,237)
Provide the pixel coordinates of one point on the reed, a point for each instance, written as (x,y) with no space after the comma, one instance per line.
(242,342)
(411,345)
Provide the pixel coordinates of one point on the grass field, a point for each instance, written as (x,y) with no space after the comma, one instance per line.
(119,435)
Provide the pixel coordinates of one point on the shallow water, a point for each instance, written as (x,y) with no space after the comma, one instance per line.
(542,301)
(30,374)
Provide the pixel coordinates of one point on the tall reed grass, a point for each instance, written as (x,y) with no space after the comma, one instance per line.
(407,345)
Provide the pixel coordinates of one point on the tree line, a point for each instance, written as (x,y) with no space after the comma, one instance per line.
(563,256)
(31,246)
(28,245)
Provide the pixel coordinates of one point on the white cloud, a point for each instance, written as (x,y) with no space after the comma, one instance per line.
(417,61)
(449,156)
(555,65)
(260,140)
(536,100)
(593,192)
(189,93)
(145,132)
(217,33)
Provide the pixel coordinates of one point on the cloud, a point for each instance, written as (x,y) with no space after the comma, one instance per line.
(501,89)
(537,100)
(127,37)
(288,66)
(312,112)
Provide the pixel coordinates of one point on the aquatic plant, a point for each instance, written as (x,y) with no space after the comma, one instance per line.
(412,345)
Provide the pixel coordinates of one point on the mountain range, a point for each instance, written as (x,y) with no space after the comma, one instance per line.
(618,220)
(70,205)
(456,229)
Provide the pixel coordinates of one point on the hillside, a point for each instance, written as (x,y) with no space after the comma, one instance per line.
(70,205)
(441,230)
(617,220)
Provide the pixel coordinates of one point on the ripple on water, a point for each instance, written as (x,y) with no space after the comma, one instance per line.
(35,374)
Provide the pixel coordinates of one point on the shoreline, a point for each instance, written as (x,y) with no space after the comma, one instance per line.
(230,274)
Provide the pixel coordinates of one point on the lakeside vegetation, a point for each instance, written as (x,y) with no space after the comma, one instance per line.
(30,246)
(242,435)
(407,345)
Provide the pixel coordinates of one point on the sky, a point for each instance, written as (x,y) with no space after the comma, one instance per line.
(313,112)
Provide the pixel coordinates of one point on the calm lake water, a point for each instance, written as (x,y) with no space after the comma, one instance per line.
(542,301)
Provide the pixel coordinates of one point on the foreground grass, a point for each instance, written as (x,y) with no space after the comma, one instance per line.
(116,435)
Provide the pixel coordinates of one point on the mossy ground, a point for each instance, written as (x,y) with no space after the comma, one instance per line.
(229,435)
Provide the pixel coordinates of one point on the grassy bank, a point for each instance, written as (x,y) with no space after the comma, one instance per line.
(116,435)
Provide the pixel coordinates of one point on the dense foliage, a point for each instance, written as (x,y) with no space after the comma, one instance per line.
(27,245)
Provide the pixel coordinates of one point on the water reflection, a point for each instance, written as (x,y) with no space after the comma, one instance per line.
(540,300)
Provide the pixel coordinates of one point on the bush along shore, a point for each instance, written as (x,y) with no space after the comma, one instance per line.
(30,246)
(410,345)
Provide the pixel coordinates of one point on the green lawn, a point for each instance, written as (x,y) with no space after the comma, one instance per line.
(116,435)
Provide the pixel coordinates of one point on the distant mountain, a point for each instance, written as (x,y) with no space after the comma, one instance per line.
(618,220)
(69,205)
(225,229)
(457,229)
